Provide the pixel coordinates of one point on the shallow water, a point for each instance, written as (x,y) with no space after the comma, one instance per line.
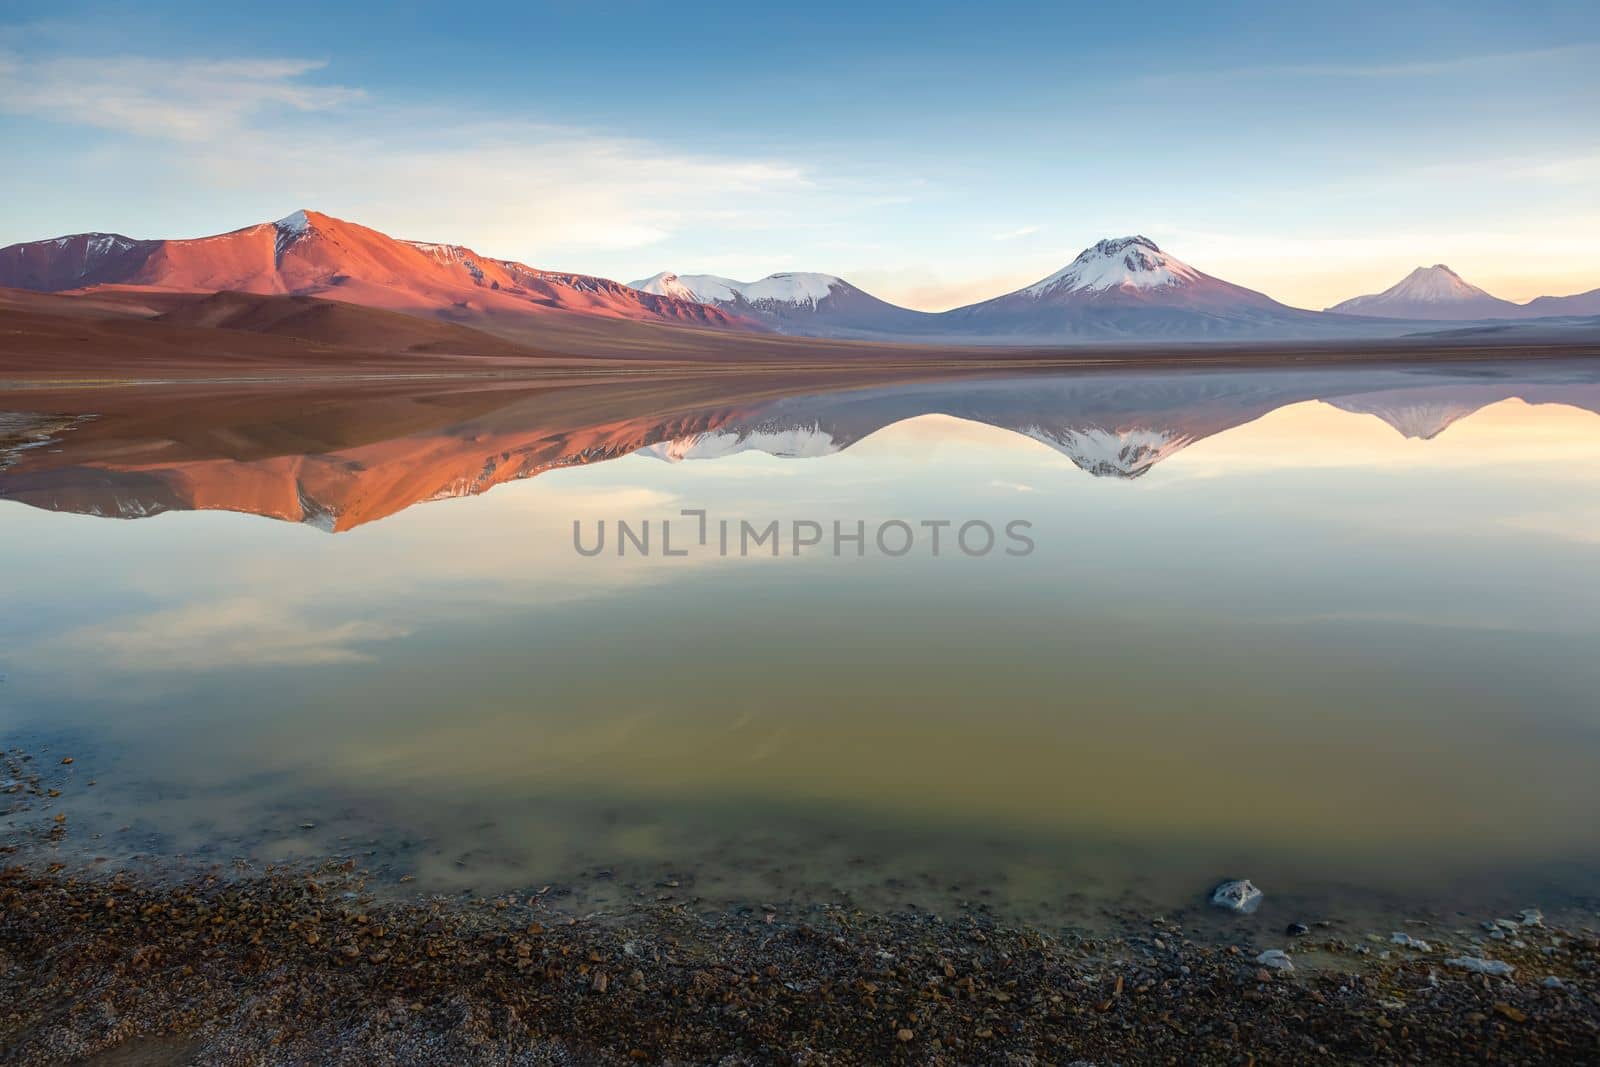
(1331,630)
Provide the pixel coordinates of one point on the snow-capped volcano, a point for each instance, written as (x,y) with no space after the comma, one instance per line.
(1128,288)
(798,302)
(1436,293)
(1118,263)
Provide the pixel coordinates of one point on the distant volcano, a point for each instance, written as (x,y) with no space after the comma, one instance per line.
(1435,293)
(1128,288)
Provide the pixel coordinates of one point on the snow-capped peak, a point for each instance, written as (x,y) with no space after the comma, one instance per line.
(797,288)
(802,288)
(290,229)
(700,288)
(297,223)
(1121,262)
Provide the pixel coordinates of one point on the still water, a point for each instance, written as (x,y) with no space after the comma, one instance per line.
(1335,631)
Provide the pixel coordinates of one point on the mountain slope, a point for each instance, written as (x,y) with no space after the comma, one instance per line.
(1435,293)
(332,322)
(312,254)
(807,304)
(1576,304)
(73,262)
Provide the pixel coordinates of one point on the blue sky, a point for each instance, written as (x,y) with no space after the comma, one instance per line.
(933,154)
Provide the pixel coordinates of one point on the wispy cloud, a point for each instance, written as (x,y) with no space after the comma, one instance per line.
(186,100)
(1020,231)
(512,187)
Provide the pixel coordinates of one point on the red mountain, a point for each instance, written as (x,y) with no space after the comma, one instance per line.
(317,255)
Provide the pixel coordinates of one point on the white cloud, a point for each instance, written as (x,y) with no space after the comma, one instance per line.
(1020,231)
(187,100)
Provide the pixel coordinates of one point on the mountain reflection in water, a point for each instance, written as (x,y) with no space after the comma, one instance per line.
(1329,629)
(339,459)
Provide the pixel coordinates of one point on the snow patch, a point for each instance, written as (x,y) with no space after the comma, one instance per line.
(698,288)
(807,289)
(800,289)
(289,229)
(299,222)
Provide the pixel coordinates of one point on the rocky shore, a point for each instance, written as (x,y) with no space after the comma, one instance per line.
(329,963)
(307,966)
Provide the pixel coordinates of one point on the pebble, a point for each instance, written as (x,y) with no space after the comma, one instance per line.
(1277,959)
(1297,929)
(1241,896)
(1407,941)
(1553,982)
(1479,965)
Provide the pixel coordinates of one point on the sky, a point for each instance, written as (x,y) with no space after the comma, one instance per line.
(932,154)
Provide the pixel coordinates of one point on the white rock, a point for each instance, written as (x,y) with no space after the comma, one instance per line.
(1411,942)
(1530,916)
(1479,965)
(1553,982)
(1240,896)
(1277,959)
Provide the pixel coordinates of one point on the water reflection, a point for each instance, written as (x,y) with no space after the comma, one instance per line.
(339,459)
(1330,629)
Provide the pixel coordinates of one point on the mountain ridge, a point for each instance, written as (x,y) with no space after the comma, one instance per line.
(308,253)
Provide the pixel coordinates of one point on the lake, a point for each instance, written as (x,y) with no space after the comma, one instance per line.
(1065,644)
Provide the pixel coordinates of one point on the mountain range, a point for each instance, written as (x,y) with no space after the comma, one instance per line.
(1124,288)
(1120,289)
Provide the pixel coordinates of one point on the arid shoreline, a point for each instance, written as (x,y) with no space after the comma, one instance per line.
(296,966)
(326,961)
